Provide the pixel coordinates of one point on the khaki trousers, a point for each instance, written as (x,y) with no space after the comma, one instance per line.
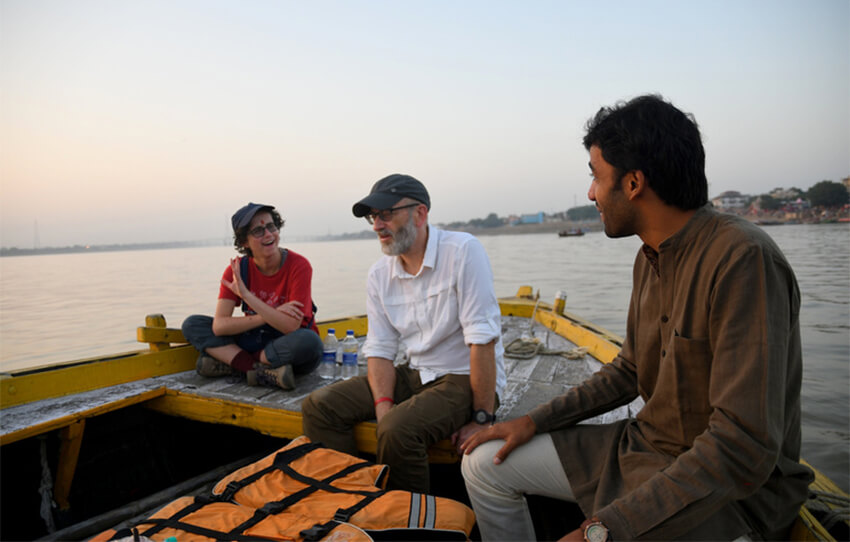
(497,492)
(422,415)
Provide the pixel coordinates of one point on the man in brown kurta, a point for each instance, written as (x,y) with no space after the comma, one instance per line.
(712,346)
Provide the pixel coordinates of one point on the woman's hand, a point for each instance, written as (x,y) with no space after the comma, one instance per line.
(292,309)
(237,284)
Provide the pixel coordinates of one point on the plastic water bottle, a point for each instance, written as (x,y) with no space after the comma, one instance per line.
(349,355)
(327,367)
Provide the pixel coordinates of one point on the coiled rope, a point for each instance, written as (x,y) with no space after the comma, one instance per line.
(831,515)
(521,348)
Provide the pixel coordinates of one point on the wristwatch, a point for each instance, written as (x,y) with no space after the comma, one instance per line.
(482,417)
(596,532)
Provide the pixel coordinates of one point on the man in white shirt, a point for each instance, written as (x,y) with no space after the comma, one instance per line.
(431,295)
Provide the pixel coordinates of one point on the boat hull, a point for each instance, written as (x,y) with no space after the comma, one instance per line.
(114,430)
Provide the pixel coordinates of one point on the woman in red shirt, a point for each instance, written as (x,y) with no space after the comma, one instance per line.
(276,336)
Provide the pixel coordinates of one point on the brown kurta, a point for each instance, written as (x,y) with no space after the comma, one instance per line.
(713,347)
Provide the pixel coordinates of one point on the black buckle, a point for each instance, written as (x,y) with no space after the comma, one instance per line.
(230,490)
(272,508)
(317,532)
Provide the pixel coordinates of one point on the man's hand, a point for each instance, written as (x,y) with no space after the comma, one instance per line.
(513,432)
(461,435)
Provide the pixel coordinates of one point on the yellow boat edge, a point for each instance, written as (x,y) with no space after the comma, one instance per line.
(167,353)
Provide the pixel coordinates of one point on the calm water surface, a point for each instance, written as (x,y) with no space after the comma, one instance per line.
(61,307)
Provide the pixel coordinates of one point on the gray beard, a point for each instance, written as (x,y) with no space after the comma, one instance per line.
(402,240)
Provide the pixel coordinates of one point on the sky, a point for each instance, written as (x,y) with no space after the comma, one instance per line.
(152,121)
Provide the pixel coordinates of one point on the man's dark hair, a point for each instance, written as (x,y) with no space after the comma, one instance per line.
(651,135)
(241,235)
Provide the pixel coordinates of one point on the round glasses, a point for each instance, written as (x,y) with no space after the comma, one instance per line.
(260,231)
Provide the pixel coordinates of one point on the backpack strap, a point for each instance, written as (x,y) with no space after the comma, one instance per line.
(246,278)
(245,271)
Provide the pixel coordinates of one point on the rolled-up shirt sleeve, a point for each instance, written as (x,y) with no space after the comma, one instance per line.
(478,307)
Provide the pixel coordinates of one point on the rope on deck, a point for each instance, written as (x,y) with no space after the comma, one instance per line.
(829,516)
(521,348)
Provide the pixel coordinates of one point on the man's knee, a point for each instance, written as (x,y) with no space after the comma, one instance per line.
(312,405)
(396,435)
(477,466)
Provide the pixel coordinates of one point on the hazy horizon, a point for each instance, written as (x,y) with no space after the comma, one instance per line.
(141,122)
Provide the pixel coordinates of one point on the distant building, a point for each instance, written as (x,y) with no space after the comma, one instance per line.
(846,182)
(785,195)
(730,200)
(536,218)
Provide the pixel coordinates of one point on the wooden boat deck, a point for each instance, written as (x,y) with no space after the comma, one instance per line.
(231,400)
(61,398)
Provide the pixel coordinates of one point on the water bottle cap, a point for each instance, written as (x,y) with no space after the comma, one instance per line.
(331,330)
(350,332)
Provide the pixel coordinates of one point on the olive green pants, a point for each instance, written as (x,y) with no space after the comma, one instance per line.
(421,416)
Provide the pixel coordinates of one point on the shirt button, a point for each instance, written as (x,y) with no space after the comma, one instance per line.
(664,319)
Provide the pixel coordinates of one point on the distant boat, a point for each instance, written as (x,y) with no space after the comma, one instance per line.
(570,233)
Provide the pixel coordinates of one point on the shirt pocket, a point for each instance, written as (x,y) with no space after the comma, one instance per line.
(441,304)
(692,376)
(400,312)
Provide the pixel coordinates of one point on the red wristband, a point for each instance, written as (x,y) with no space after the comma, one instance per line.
(382,399)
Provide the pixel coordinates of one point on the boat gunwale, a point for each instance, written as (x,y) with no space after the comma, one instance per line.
(26,386)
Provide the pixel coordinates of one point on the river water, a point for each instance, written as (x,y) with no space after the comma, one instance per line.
(57,308)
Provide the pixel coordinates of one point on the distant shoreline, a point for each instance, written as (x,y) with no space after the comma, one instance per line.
(547,227)
(77,249)
(519,229)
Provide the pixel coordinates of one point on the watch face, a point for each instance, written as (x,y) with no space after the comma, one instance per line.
(482,417)
(596,532)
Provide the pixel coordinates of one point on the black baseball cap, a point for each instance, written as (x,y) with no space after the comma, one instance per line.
(388,191)
(243,216)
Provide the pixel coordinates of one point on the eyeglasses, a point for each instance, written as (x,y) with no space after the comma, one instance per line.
(260,231)
(387,214)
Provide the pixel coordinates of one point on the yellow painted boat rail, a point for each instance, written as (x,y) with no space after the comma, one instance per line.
(268,421)
(167,353)
(600,343)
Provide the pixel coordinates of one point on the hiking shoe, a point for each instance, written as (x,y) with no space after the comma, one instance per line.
(283,376)
(208,366)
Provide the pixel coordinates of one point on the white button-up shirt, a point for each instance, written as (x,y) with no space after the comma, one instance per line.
(437,313)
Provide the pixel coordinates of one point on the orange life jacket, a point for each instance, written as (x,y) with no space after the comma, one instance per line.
(307,492)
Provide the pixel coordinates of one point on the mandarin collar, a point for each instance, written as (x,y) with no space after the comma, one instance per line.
(689,231)
(685,235)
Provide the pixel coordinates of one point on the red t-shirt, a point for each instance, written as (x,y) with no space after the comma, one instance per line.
(291,283)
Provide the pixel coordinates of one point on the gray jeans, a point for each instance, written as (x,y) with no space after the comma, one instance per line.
(301,348)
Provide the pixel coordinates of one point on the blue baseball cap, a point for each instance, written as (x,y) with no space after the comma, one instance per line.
(243,216)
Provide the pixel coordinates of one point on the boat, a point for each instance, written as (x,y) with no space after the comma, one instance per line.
(102,443)
(571,233)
